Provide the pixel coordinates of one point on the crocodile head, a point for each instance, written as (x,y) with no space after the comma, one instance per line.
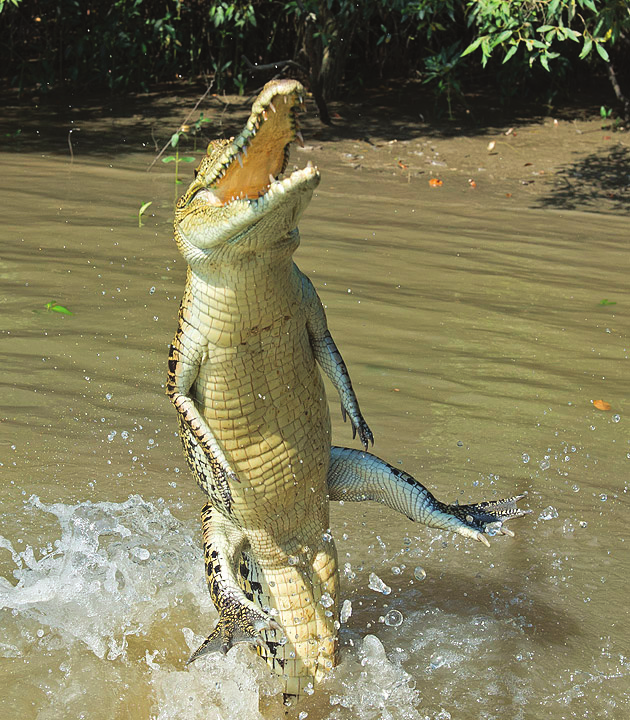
(237,202)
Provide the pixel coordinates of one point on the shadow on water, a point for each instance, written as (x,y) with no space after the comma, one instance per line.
(592,180)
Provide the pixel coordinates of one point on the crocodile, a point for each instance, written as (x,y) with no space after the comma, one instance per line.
(253,417)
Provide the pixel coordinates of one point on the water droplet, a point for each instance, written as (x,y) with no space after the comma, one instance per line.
(151,291)
(140,553)
(616,418)
(393,618)
(346,611)
(525,458)
(326,601)
(375,583)
(419,573)
(292,560)
(549,513)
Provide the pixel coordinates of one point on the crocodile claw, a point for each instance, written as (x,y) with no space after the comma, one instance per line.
(244,625)
(478,520)
(365,434)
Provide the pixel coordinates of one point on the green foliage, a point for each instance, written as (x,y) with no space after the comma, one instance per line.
(537,29)
(129,44)
(15,3)
(174,142)
(442,69)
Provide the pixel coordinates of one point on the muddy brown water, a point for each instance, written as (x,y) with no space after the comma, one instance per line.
(472,324)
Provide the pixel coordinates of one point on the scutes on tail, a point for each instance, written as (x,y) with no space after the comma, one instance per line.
(244,377)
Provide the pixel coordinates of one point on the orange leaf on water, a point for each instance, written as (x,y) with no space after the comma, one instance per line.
(402,165)
(601,404)
(434,182)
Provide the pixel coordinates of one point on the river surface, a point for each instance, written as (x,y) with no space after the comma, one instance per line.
(477,341)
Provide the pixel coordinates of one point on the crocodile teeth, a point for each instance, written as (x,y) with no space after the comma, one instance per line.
(240,159)
(299,138)
(271,105)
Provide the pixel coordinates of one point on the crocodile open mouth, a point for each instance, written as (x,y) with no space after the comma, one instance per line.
(251,163)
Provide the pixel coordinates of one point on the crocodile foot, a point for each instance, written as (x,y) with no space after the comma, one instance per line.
(360,427)
(239,623)
(486,518)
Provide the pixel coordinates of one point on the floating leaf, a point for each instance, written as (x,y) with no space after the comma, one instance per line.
(601,405)
(52,305)
(607,302)
(141,211)
(402,165)
(434,182)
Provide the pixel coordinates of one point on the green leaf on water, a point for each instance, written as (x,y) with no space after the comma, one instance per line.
(55,307)
(607,302)
(141,211)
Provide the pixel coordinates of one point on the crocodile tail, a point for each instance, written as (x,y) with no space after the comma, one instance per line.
(303,599)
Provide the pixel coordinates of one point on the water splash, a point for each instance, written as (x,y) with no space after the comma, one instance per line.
(108,576)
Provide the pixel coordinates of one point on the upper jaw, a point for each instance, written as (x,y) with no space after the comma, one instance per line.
(246,166)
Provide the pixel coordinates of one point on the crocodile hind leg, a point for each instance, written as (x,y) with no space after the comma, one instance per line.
(356,475)
(240,620)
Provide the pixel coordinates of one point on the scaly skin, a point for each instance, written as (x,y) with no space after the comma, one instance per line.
(252,411)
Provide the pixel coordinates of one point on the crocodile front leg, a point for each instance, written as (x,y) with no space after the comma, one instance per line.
(183,367)
(356,475)
(329,358)
(240,620)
